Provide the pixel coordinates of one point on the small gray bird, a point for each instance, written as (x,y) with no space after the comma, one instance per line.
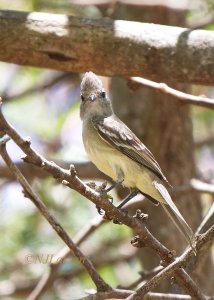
(117,152)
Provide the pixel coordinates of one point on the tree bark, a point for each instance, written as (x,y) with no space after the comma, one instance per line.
(166,128)
(122,48)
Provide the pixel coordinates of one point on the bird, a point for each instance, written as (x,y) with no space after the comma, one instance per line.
(119,153)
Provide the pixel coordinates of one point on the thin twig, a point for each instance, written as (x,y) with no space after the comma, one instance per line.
(207,221)
(98,281)
(70,179)
(184,97)
(113,294)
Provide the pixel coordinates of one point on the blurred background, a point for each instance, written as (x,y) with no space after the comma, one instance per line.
(44,104)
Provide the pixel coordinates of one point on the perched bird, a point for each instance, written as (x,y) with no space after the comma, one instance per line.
(117,152)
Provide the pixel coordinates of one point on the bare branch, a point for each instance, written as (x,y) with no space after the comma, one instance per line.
(170,269)
(29,193)
(121,294)
(114,294)
(70,179)
(183,97)
(208,220)
(141,49)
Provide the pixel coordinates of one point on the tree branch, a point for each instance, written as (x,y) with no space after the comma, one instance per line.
(170,269)
(208,220)
(121,294)
(151,51)
(183,97)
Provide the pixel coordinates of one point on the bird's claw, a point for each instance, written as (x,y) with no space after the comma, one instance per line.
(140,216)
(101,189)
(100,211)
(109,198)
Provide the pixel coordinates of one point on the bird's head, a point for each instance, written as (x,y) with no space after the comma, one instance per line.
(94,100)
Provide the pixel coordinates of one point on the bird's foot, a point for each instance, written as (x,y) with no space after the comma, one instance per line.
(103,193)
(140,216)
(98,188)
(101,189)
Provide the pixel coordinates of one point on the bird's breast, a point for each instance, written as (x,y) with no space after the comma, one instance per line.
(99,151)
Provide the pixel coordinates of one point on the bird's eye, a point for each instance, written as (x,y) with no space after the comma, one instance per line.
(82,97)
(103,94)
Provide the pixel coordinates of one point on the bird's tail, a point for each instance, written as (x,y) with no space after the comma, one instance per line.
(175,215)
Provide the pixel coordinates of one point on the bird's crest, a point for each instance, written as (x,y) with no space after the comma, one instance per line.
(91,83)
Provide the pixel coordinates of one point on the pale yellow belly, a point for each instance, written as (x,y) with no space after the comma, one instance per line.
(114,163)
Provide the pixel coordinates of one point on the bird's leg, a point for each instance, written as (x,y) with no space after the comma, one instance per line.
(129,197)
(119,180)
(102,188)
(114,185)
(105,192)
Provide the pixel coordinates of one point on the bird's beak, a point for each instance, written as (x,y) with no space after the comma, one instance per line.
(92,97)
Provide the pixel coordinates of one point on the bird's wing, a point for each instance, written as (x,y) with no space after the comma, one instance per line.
(124,140)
